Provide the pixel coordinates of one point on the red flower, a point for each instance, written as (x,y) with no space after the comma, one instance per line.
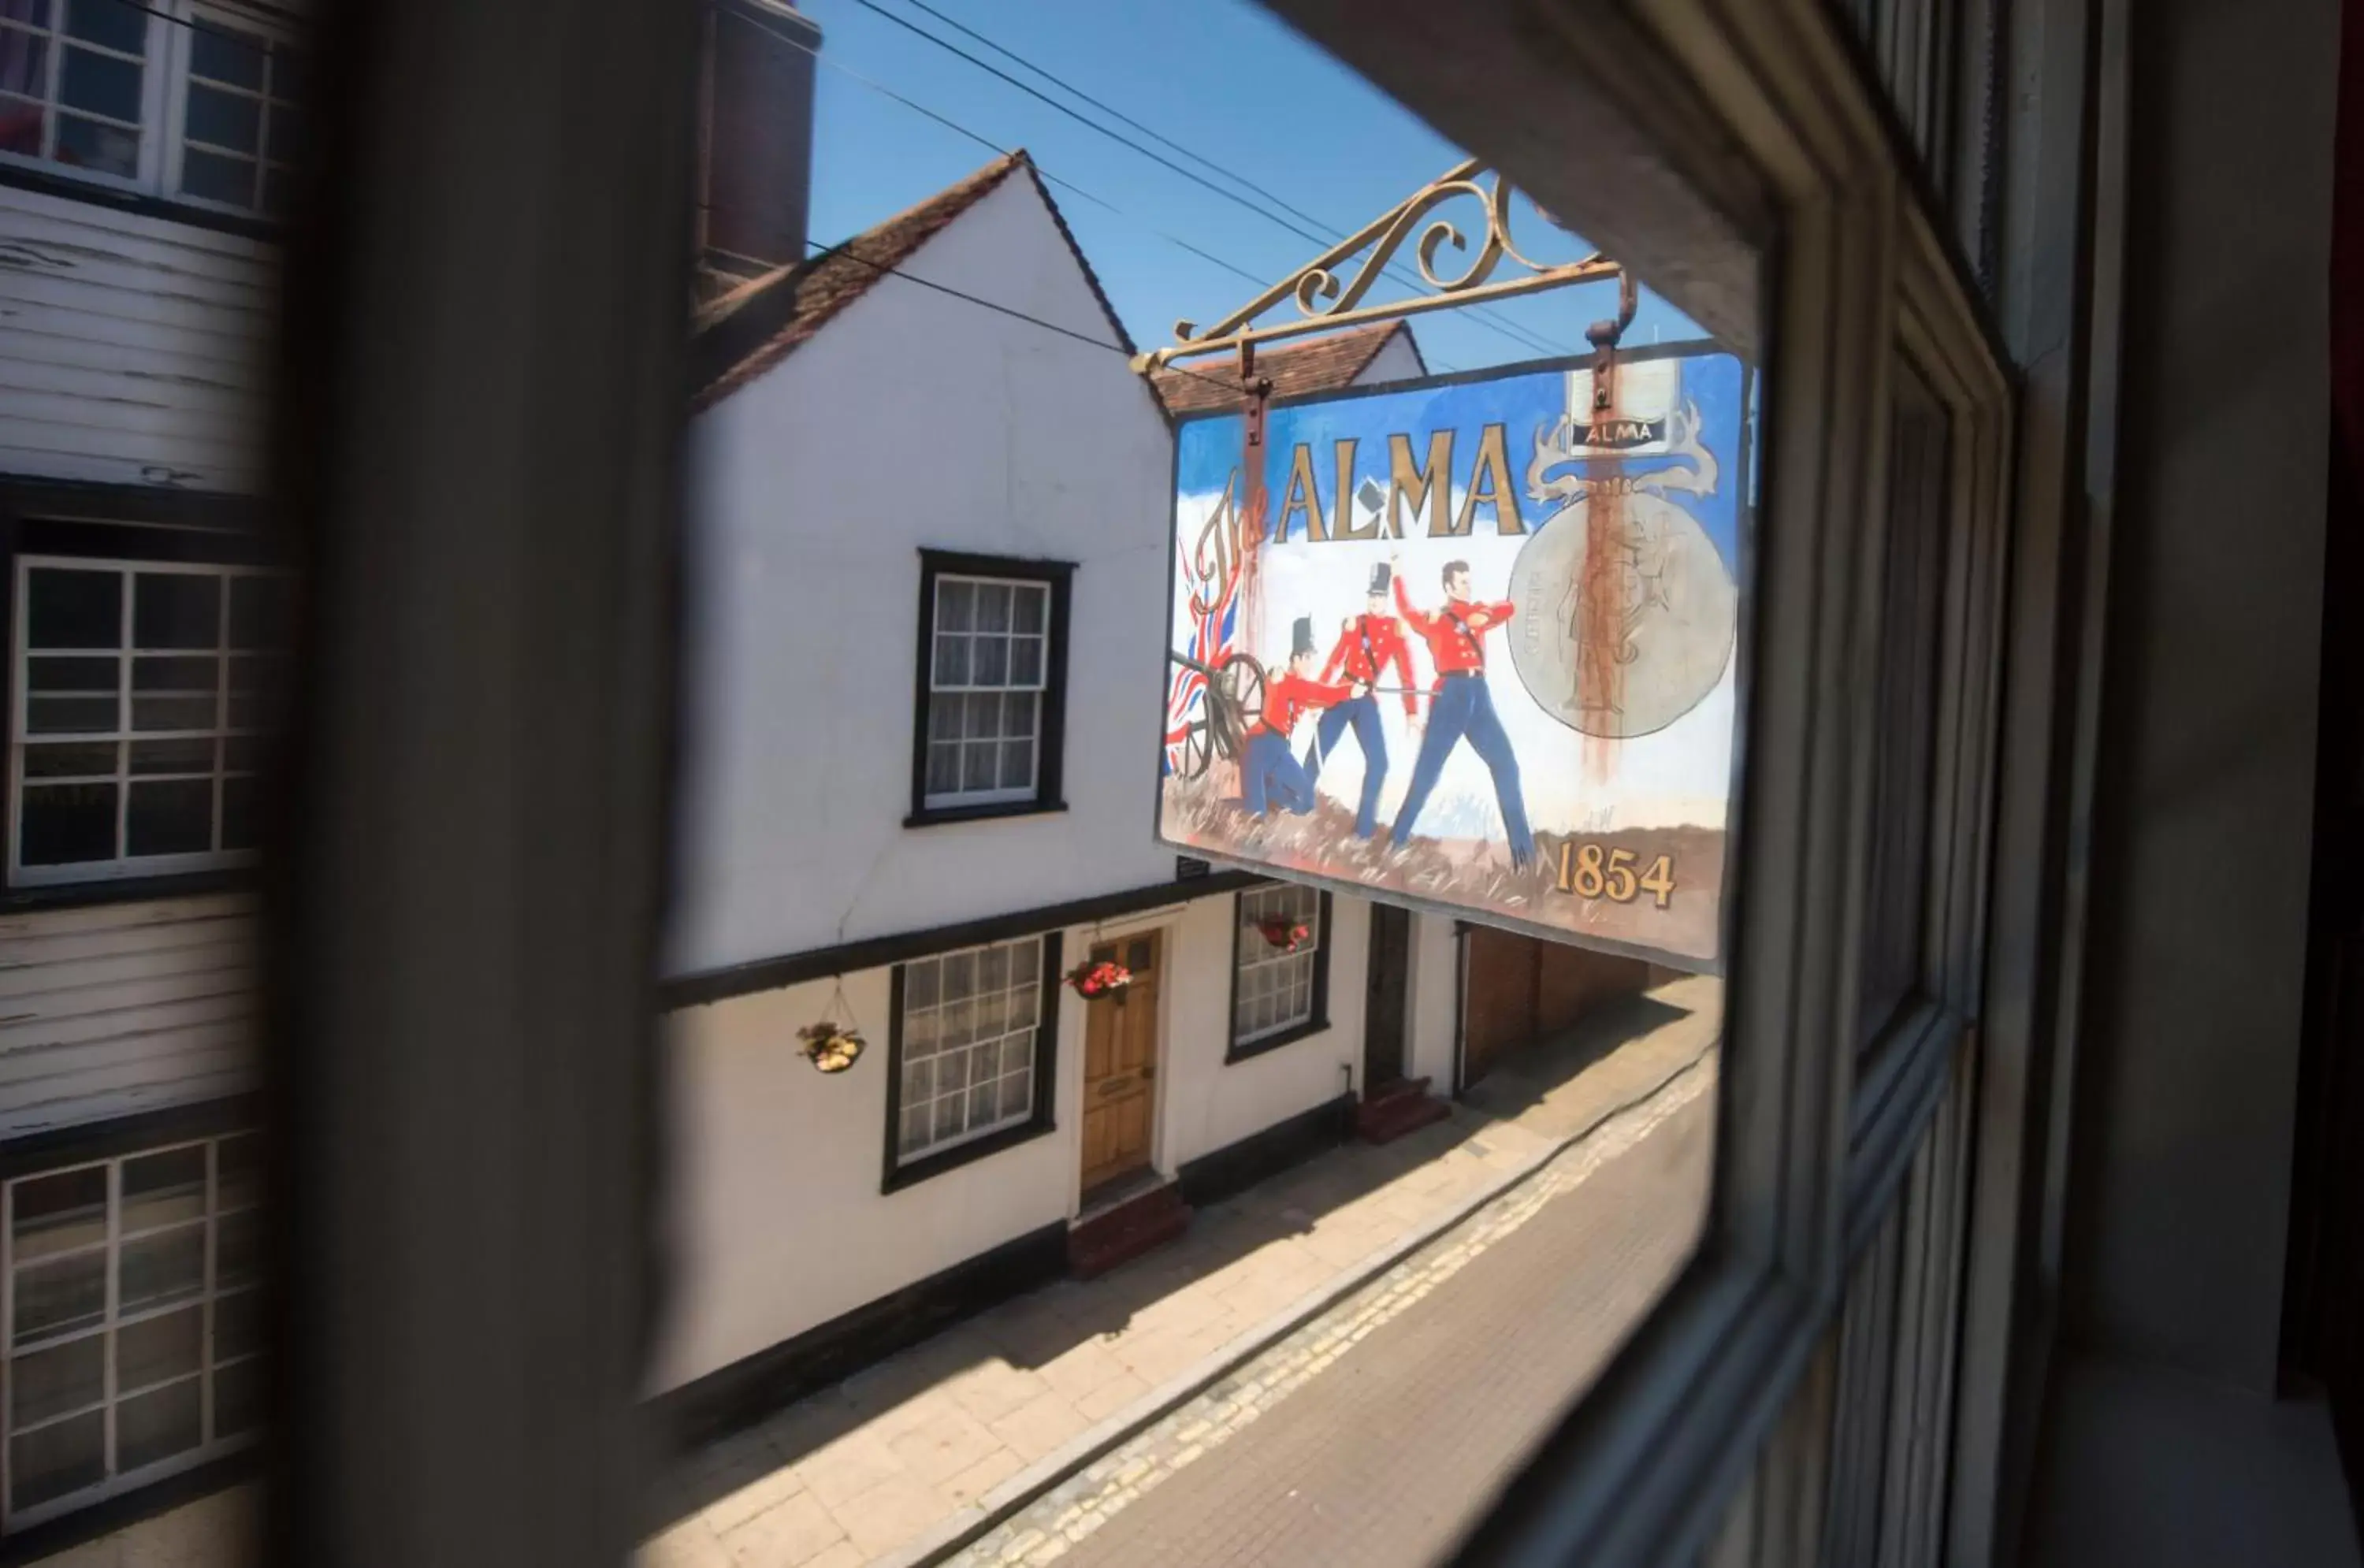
(1092,981)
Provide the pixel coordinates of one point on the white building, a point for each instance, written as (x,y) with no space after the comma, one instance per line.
(919,784)
(148,154)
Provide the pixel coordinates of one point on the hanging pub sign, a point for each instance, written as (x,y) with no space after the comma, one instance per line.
(1469,643)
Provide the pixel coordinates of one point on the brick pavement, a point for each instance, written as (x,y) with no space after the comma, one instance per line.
(1370,1438)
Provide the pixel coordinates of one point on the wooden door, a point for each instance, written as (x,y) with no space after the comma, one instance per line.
(1385,996)
(1120,1065)
(1499,992)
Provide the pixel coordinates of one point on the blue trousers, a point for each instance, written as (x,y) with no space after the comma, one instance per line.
(1464,709)
(1269,770)
(1363,712)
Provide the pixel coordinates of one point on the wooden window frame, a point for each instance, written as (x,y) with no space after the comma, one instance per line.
(1051,722)
(1315,1022)
(900,1172)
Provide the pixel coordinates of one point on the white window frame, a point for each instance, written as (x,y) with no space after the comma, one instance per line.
(122,865)
(176,111)
(1252,955)
(208,1297)
(163,102)
(1021,981)
(954,800)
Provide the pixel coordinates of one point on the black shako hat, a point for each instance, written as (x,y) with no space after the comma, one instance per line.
(1300,637)
(1379,578)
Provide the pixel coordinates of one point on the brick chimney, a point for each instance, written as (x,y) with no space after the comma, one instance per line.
(754,140)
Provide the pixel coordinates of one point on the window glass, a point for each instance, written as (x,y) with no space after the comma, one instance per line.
(104,1393)
(968,1035)
(240,131)
(73,83)
(145,691)
(986,681)
(1279,944)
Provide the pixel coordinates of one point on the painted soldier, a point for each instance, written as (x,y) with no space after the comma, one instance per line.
(1368,644)
(1270,773)
(1464,709)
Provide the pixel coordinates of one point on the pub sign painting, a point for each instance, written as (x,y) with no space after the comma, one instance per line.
(1470,644)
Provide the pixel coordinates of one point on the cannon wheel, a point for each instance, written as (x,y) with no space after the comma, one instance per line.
(1198,748)
(1238,705)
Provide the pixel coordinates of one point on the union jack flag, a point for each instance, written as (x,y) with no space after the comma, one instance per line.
(1212,633)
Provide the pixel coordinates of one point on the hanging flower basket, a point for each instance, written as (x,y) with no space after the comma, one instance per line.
(1285,934)
(1094,980)
(831,1048)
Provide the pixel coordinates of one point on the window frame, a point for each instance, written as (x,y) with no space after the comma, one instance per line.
(1235,1050)
(1050,743)
(209,1448)
(277,36)
(163,104)
(122,868)
(898,1173)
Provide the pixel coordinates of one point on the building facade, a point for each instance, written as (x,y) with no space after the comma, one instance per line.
(913,801)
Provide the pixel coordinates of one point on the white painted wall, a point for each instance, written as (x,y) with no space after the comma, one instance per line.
(777,1223)
(914,419)
(124,1007)
(1435,1001)
(1396,361)
(131,348)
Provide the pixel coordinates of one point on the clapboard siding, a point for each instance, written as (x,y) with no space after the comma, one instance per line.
(131,346)
(113,1010)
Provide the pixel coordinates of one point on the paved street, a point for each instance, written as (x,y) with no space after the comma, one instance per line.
(1370,1437)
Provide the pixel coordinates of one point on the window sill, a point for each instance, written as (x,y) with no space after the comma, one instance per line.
(126,890)
(1312,1026)
(939,815)
(142,204)
(960,1154)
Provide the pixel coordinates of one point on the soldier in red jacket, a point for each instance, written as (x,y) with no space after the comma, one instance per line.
(1270,771)
(1464,708)
(1369,643)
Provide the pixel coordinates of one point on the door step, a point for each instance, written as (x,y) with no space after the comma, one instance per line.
(1403,1106)
(1120,1231)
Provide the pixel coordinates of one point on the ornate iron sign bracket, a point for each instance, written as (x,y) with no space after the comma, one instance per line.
(1329,291)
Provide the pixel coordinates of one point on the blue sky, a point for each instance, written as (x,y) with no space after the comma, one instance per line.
(1219,77)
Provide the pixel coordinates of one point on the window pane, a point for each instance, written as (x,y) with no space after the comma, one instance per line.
(955,606)
(993,606)
(236,1240)
(978,767)
(217,177)
(236,1175)
(157,1426)
(71,761)
(57,1462)
(914,1134)
(164,713)
(241,826)
(257,612)
(981,1103)
(952,662)
(222,54)
(58,1213)
(64,824)
(165,1189)
(192,756)
(170,817)
(161,1268)
(1017,764)
(237,1398)
(97,146)
(919,983)
(32,13)
(1024,1003)
(919,1032)
(70,716)
(278,190)
(1026,957)
(1025,660)
(158,1349)
(100,84)
(225,119)
(983,716)
(257,683)
(238,1325)
(992,968)
(71,674)
(60,1295)
(1030,608)
(990,662)
(74,610)
(113,23)
(178,676)
(176,609)
(1017,1098)
(289,76)
(24,122)
(54,1380)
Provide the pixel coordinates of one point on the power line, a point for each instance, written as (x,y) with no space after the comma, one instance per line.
(1485,317)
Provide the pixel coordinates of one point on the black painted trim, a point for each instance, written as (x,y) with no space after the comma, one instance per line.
(60,1147)
(29,499)
(1316,1024)
(130,541)
(126,890)
(54,1537)
(938,818)
(878,953)
(1262,1155)
(1050,755)
(140,204)
(1046,1085)
(745,1392)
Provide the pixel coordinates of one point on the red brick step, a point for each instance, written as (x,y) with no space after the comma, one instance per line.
(1126,1228)
(1401,1107)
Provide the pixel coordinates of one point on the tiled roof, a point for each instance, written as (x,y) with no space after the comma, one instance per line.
(753,328)
(1310,364)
